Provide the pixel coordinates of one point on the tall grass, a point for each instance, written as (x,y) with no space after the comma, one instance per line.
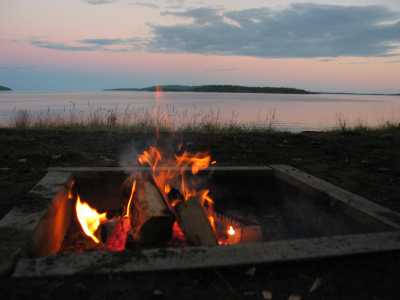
(167,118)
(345,126)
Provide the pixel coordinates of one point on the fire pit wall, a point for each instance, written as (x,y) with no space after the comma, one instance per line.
(301,217)
(284,208)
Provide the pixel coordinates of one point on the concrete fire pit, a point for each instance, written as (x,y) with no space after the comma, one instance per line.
(301,216)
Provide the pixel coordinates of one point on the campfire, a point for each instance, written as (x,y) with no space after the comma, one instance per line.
(163,204)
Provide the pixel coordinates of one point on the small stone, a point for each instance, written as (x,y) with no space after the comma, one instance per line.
(297,159)
(106,159)
(22,160)
(294,297)
(266,294)
(251,271)
(158,292)
(56,156)
(249,293)
(383,170)
(315,285)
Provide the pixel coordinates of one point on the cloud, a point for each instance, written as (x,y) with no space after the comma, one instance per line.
(145,4)
(61,46)
(200,16)
(99,2)
(96,44)
(298,31)
(222,69)
(301,30)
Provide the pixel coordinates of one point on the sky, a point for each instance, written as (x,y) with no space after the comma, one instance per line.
(351,45)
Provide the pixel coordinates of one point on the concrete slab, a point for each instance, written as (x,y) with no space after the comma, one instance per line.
(205,257)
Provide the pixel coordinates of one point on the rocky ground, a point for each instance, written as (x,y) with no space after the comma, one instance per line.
(364,162)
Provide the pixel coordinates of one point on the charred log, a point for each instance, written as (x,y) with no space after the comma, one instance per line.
(194,221)
(151,217)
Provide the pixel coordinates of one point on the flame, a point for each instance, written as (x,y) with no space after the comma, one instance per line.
(173,173)
(231,231)
(128,207)
(211,220)
(197,162)
(89,218)
(150,157)
(167,188)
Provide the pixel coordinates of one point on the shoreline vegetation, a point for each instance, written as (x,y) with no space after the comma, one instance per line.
(4,88)
(168,121)
(215,88)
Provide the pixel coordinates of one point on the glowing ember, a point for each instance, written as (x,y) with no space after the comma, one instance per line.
(89,219)
(116,242)
(231,231)
(177,232)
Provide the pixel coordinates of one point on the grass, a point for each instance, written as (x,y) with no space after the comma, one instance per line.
(168,119)
(143,120)
(344,126)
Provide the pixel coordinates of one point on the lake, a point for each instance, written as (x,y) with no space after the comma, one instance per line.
(282,111)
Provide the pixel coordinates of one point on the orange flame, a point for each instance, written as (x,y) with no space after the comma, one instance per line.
(89,218)
(173,173)
(150,157)
(128,207)
(231,231)
(197,162)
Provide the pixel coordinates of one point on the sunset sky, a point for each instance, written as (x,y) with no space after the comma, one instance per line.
(320,45)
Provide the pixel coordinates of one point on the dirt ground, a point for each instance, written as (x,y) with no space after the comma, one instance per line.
(364,162)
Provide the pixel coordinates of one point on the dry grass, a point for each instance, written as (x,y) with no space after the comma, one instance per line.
(167,119)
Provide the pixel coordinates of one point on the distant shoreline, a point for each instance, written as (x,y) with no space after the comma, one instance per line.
(4,88)
(216,89)
(240,89)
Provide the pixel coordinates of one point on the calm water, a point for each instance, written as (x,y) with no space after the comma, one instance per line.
(290,112)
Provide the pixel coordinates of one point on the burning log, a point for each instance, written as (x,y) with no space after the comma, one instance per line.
(151,217)
(195,223)
(117,240)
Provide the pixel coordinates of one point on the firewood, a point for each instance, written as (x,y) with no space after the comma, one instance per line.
(151,217)
(193,219)
(117,240)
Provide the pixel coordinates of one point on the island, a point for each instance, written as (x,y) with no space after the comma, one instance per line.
(217,89)
(4,88)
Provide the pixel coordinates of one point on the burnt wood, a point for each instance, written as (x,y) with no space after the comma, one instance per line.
(193,219)
(151,218)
